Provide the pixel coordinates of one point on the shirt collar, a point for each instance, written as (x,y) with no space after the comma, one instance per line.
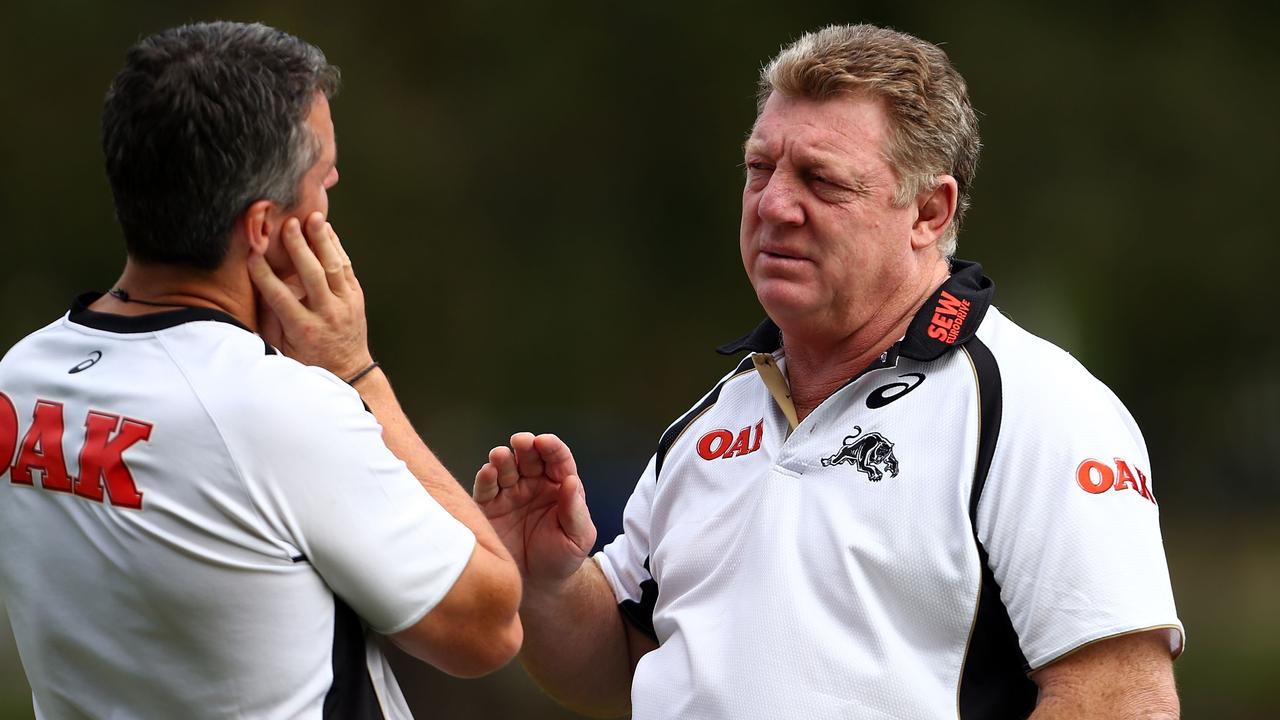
(948,319)
(80,314)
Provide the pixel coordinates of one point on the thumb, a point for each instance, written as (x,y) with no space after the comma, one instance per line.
(575,518)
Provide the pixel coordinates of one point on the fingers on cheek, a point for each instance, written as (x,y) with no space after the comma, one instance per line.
(294,244)
(316,227)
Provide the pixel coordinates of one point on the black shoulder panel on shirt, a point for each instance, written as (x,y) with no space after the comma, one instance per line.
(991,407)
(993,682)
(640,614)
(669,437)
(351,697)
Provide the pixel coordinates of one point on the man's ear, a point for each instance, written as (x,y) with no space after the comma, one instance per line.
(257,227)
(261,225)
(935,209)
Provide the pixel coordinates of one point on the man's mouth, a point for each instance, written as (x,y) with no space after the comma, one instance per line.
(781,255)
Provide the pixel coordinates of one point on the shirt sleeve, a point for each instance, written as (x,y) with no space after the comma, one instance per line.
(1070,521)
(625,561)
(353,509)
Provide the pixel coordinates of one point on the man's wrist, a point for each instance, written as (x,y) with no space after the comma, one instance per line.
(550,594)
(348,369)
(373,365)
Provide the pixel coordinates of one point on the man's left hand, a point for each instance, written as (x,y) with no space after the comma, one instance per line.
(316,317)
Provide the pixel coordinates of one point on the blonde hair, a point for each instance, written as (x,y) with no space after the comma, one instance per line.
(934,130)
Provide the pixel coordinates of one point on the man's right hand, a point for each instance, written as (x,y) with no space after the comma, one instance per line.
(534,499)
(577,647)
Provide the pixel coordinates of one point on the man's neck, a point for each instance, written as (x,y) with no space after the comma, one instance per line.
(818,366)
(145,288)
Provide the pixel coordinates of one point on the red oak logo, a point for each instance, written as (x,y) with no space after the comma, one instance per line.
(1096,477)
(720,444)
(101,455)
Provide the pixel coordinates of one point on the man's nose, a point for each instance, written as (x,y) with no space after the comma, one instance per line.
(780,200)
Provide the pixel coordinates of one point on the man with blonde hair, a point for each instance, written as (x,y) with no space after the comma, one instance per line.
(899,504)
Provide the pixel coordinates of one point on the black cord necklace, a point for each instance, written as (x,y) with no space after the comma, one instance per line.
(123,296)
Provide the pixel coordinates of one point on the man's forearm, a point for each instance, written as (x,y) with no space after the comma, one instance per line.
(575,644)
(1128,677)
(405,443)
(1132,707)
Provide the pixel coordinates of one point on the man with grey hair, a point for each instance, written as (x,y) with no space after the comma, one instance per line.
(899,504)
(194,524)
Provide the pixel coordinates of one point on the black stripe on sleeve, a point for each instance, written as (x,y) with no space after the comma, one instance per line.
(993,682)
(640,613)
(351,697)
(673,433)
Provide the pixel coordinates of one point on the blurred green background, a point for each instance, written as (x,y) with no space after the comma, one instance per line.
(542,202)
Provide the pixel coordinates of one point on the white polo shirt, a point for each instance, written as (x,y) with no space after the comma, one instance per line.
(193,526)
(971,507)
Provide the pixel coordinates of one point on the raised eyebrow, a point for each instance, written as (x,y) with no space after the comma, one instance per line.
(752,145)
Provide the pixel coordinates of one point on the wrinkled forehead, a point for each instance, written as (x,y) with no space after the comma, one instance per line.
(832,128)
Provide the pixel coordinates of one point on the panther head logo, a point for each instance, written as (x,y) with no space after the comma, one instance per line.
(872,454)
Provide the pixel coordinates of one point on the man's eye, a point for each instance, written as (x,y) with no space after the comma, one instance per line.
(757,166)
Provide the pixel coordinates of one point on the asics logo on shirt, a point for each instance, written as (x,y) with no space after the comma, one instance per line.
(87,363)
(886,394)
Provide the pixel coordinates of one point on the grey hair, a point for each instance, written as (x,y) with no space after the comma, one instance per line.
(202,121)
(934,127)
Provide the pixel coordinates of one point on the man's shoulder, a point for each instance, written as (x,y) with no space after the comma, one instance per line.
(1020,352)
(33,337)
(1041,380)
(240,378)
(742,367)
(278,386)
